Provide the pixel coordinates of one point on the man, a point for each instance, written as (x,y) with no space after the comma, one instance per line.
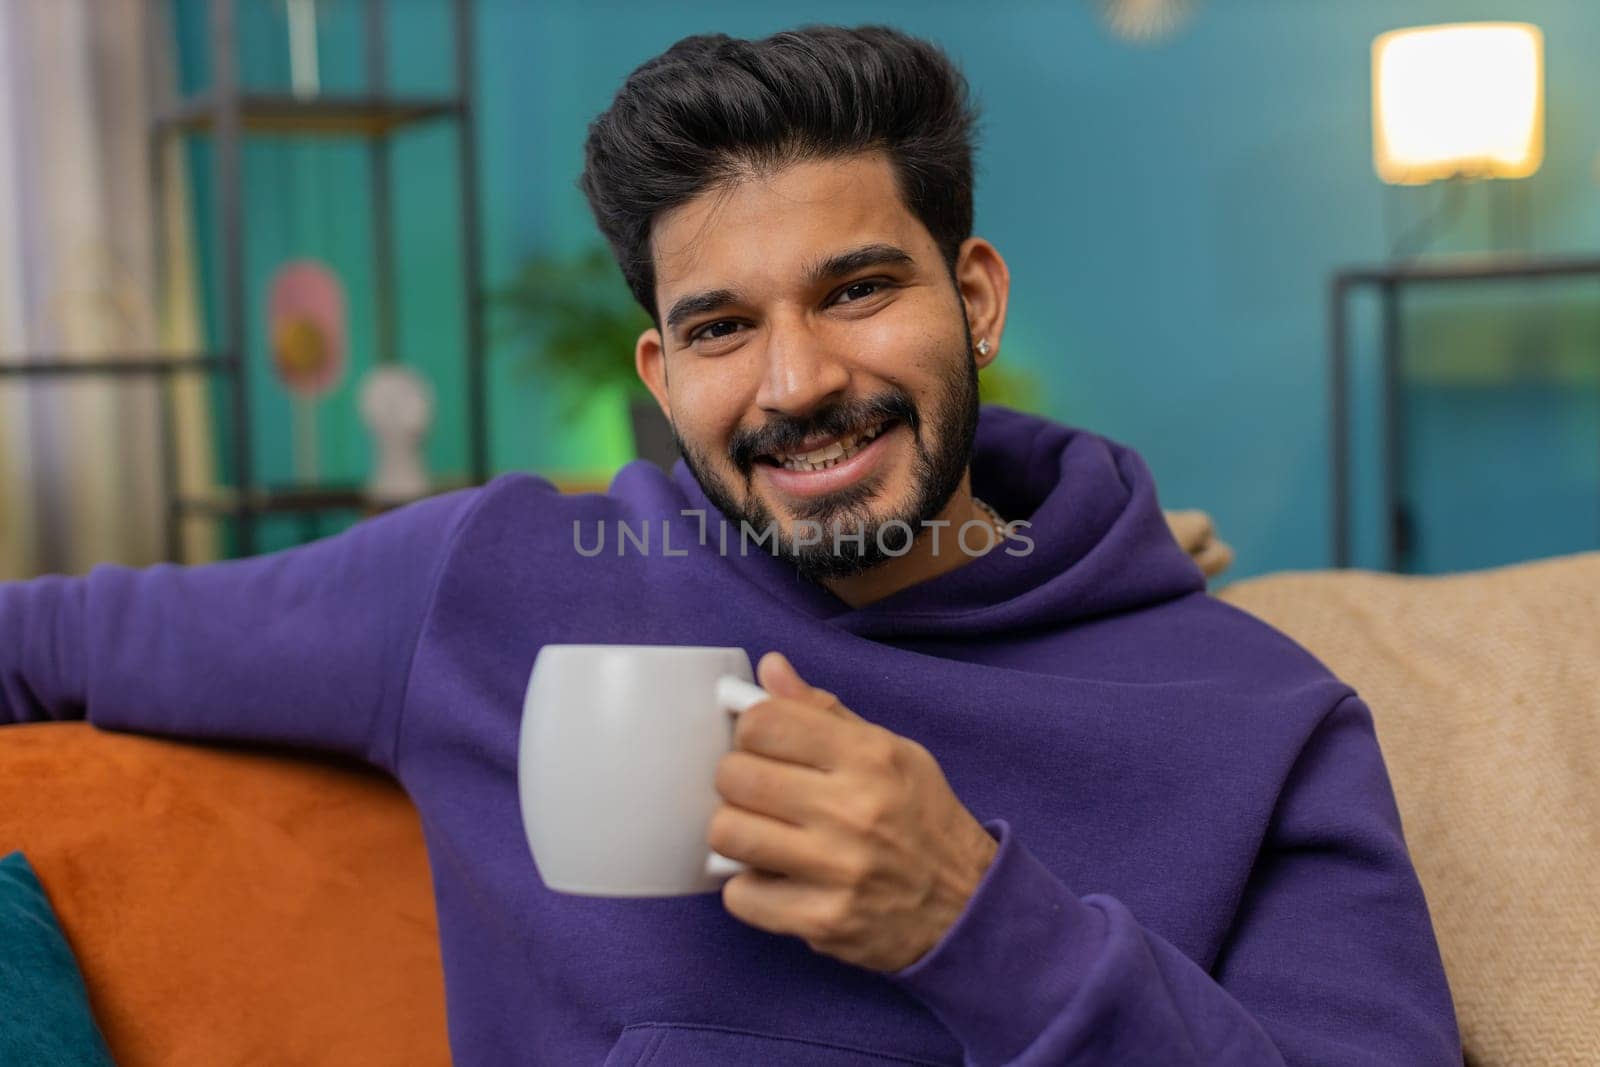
(1023,793)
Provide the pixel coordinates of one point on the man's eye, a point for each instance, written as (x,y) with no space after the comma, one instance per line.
(858,291)
(714,330)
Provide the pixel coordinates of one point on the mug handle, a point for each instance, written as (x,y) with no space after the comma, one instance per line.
(733,695)
(736,694)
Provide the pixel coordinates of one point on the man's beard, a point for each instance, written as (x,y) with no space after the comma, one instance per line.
(852,540)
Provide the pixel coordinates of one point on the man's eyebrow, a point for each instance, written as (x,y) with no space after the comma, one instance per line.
(689,306)
(873,255)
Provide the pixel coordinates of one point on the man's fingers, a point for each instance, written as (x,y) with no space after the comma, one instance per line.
(770,845)
(1214,558)
(782,789)
(769,902)
(778,677)
(816,914)
(788,730)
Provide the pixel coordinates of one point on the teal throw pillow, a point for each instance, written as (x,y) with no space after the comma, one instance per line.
(44,1007)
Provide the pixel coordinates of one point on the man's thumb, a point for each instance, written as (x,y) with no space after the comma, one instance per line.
(778,677)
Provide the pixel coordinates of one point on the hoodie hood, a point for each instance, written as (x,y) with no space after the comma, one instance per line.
(1100,544)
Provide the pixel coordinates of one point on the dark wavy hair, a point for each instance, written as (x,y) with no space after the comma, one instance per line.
(712,109)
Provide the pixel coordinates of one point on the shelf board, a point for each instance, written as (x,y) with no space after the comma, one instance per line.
(1495,266)
(286,114)
(294,500)
(577,486)
(311,500)
(134,364)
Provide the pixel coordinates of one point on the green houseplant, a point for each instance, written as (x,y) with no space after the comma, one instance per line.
(575,323)
(576,319)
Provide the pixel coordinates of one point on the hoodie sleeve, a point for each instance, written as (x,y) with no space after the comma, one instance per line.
(1331,958)
(309,647)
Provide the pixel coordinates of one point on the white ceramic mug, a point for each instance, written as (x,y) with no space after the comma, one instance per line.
(617,763)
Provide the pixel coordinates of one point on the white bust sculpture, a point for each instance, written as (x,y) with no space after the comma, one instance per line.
(397,408)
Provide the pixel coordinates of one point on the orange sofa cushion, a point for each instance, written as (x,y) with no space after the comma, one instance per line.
(228,905)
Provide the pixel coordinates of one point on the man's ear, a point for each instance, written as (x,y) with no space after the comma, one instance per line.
(984,282)
(650,360)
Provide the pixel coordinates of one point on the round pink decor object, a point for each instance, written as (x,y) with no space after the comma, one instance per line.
(307,323)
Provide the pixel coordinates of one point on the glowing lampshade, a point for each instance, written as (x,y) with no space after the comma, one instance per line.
(1464,100)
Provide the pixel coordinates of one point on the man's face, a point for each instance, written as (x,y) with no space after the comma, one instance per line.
(814,359)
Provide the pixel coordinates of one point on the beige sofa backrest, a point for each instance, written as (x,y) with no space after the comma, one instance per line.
(1485,689)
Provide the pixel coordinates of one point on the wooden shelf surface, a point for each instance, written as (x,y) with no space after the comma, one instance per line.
(286,114)
(132,364)
(1489,266)
(309,500)
(296,500)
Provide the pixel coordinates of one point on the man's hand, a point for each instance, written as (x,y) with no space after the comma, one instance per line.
(855,841)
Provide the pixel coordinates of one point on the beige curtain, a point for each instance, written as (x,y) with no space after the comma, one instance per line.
(80,458)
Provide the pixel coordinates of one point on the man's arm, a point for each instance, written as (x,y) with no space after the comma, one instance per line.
(310,647)
(857,845)
(1331,959)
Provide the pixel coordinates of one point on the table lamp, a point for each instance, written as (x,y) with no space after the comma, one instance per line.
(1458,101)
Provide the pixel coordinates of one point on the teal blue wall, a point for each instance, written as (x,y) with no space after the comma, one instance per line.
(1171,215)
(308,198)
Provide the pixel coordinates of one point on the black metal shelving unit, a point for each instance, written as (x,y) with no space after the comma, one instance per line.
(1389,282)
(228,114)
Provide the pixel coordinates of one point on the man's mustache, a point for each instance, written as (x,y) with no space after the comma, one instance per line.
(784,433)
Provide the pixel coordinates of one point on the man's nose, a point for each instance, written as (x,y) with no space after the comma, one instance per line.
(802,370)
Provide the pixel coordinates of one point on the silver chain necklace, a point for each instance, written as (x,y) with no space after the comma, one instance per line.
(993,516)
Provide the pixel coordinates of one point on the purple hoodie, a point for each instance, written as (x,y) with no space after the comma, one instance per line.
(1200,856)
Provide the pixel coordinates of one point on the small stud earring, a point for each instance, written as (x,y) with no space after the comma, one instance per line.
(983,347)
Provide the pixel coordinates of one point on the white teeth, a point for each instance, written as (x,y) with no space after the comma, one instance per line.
(829,455)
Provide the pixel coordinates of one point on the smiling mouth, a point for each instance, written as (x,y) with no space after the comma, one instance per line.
(830,453)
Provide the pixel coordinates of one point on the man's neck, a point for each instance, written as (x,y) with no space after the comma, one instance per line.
(923,561)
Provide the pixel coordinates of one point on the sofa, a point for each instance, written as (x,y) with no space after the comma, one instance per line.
(232,906)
